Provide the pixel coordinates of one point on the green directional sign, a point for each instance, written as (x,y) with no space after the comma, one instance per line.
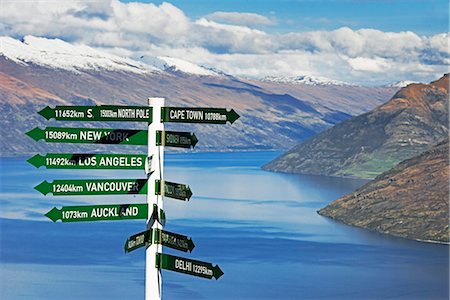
(90,135)
(98,113)
(173,190)
(138,240)
(198,115)
(174,240)
(188,266)
(93,187)
(89,161)
(98,213)
(176,139)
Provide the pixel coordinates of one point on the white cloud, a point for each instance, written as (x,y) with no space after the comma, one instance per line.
(376,65)
(361,56)
(238,18)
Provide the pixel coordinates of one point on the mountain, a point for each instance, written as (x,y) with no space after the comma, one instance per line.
(401,84)
(369,144)
(410,200)
(39,72)
(305,79)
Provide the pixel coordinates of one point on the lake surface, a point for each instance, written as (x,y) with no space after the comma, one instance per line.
(261,228)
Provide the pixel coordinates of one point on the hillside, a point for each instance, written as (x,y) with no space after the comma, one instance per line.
(364,146)
(410,200)
(39,72)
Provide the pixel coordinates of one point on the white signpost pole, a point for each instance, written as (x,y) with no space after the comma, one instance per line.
(154,170)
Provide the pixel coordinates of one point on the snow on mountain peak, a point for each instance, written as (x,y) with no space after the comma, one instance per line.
(186,67)
(58,54)
(305,79)
(401,84)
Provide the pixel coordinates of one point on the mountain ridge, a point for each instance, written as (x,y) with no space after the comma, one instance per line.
(415,118)
(409,201)
(273,116)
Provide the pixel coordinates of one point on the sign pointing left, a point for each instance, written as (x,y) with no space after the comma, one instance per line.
(98,113)
(89,161)
(90,135)
(138,240)
(98,213)
(93,187)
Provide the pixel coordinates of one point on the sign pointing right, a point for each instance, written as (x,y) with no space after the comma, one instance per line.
(188,266)
(198,115)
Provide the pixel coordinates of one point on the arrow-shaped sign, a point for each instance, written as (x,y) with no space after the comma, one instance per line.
(93,187)
(173,190)
(98,213)
(173,240)
(98,113)
(176,139)
(89,161)
(198,115)
(188,266)
(138,240)
(90,135)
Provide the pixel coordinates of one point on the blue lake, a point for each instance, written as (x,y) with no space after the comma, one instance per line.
(260,227)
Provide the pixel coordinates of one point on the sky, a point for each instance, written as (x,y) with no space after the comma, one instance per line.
(359,41)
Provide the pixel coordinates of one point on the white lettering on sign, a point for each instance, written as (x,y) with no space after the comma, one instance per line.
(126,113)
(210,116)
(183,265)
(121,161)
(108,113)
(74,214)
(104,212)
(90,135)
(87,161)
(173,240)
(129,211)
(202,270)
(177,114)
(139,240)
(194,115)
(112,186)
(67,188)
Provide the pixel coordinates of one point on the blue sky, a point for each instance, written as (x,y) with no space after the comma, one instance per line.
(422,17)
(363,42)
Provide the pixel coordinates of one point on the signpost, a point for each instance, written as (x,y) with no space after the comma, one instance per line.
(176,139)
(98,113)
(89,135)
(93,187)
(188,266)
(154,185)
(98,213)
(89,161)
(174,240)
(138,240)
(173,190)
(198,115)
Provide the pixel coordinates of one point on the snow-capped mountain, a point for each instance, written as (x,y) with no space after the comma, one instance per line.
(401,84)
(40,72)
(58,54)
(184,66)
(305,79)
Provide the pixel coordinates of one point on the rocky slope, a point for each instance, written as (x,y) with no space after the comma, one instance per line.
(364,146)
(410,200)
(38,72)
